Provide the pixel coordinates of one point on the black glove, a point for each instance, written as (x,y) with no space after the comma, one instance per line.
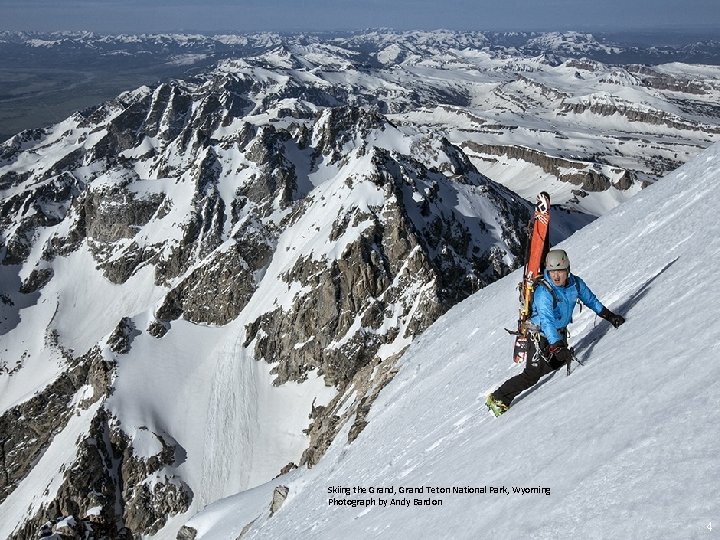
(561,353)
(614,319)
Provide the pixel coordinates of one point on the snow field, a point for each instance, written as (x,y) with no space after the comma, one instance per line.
(627,444)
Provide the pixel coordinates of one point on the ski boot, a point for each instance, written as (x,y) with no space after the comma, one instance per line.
(496,406)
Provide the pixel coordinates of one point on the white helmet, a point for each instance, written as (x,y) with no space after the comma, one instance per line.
(557,259)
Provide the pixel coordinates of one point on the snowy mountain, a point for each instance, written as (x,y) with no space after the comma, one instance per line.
(207,282)
(614,49)
(562,109)
(625,446)
(176,267)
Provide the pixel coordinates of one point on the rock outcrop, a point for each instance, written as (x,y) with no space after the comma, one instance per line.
(580,173)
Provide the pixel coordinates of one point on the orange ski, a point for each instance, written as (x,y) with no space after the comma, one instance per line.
(538,245)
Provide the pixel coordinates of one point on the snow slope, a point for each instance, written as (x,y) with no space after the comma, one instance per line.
(626,447)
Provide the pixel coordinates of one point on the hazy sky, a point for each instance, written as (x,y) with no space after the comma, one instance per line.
(113,16)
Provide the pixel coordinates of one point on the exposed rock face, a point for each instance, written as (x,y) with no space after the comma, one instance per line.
(576,172)
(115,213)
(149,494)
(279,495)
(28,428)
(350,405)
(664,81)
(37,280)
(41,204)
(107,489)
(217,291)
(187,533)
(112,490)
(407,268)
(634,114)
(121,339)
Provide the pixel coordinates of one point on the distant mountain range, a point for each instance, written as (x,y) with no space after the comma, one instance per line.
(558,103)
(615,48)
(44,77)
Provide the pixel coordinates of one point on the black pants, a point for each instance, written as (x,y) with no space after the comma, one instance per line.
(536,366)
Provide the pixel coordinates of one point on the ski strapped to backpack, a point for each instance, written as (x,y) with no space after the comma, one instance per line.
(537,247)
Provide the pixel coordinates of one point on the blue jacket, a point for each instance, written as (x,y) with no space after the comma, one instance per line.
(551,319)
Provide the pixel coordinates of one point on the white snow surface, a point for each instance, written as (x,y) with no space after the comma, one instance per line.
(625,447)
(233,425)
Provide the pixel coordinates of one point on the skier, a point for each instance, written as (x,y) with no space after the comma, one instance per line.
(554,299)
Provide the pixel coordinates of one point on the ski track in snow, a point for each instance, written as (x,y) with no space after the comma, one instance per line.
(231,425)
